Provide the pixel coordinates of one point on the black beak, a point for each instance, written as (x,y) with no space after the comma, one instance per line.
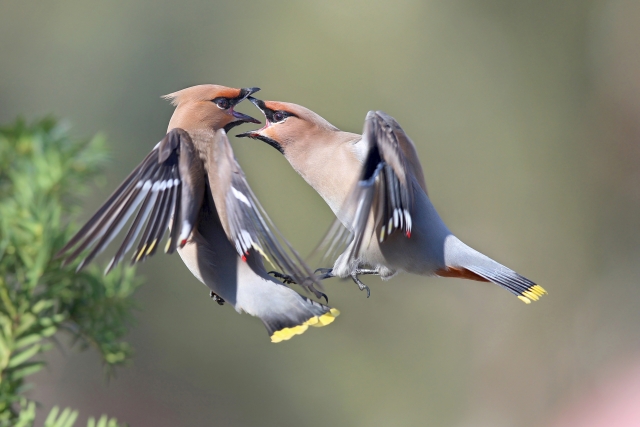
(259,103)
(245,93)
(242,118)
(249,134)
(268,113)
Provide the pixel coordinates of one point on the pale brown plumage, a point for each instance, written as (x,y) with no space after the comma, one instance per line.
(192,184)
(375,185)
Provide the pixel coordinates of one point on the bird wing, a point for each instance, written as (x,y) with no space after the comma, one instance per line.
(245,222)
(166,190)
(407,147)
(381,201)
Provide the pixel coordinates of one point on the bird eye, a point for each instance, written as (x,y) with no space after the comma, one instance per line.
(222,103)
(278,116)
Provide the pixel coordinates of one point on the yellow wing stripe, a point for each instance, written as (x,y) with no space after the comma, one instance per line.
(153,245)
(141,253)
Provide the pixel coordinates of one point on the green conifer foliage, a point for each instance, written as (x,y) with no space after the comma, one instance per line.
(43,174)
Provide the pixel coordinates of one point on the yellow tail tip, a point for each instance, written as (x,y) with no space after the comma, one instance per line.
(532,294)
(538,290)
(315,321)
(287,333)
(525,299)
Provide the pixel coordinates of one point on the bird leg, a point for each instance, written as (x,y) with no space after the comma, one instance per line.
(216,298)
(325,273)
(286,279)
(360,271)
(308,283)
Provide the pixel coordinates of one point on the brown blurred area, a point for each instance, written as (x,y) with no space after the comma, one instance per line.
(526,116)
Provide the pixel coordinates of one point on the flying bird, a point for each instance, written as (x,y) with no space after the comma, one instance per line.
(375,186)
(191,187)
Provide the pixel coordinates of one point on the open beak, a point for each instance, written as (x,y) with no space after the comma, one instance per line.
(241,117)
(244,118)
(262,107)
(256,134)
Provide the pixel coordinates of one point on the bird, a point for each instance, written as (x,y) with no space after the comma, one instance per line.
(375,185)
(191,187)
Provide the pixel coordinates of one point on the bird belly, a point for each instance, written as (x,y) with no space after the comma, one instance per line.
(213,265)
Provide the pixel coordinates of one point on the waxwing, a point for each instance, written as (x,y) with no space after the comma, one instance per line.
(191,187)
(375,185)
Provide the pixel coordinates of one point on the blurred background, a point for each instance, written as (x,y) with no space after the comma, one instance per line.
(526,116)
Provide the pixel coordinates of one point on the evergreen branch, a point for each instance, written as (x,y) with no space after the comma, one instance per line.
(42,173)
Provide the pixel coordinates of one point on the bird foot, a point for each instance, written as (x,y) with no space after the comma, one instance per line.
(319,294)
(216,298)
(361,285)
(325,273)
(286,279)
(308,283)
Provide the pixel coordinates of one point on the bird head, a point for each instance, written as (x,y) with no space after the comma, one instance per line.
(206,107)
(289,127)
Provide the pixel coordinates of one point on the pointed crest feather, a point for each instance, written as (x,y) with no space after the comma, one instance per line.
(200,93)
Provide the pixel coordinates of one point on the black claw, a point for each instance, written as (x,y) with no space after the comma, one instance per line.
(326,298)
(216,298)
(286,279)
(309,285)
(368,291)
(361,285)
(318,294)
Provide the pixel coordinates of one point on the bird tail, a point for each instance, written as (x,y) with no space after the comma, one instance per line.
(463,261)
(284,312)
(520,286)
(284,326)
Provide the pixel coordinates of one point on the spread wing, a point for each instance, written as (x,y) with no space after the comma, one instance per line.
(406,147)
(245,222)
(382,200)
(165,189)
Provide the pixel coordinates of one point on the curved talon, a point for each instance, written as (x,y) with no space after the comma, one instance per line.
(216,298)
(361,285)
(326,298)
(318,294)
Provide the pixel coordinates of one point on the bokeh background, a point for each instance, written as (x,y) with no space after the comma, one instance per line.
(526,116)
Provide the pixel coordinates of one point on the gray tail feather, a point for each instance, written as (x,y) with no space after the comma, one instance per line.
(518,285)
(459,254)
